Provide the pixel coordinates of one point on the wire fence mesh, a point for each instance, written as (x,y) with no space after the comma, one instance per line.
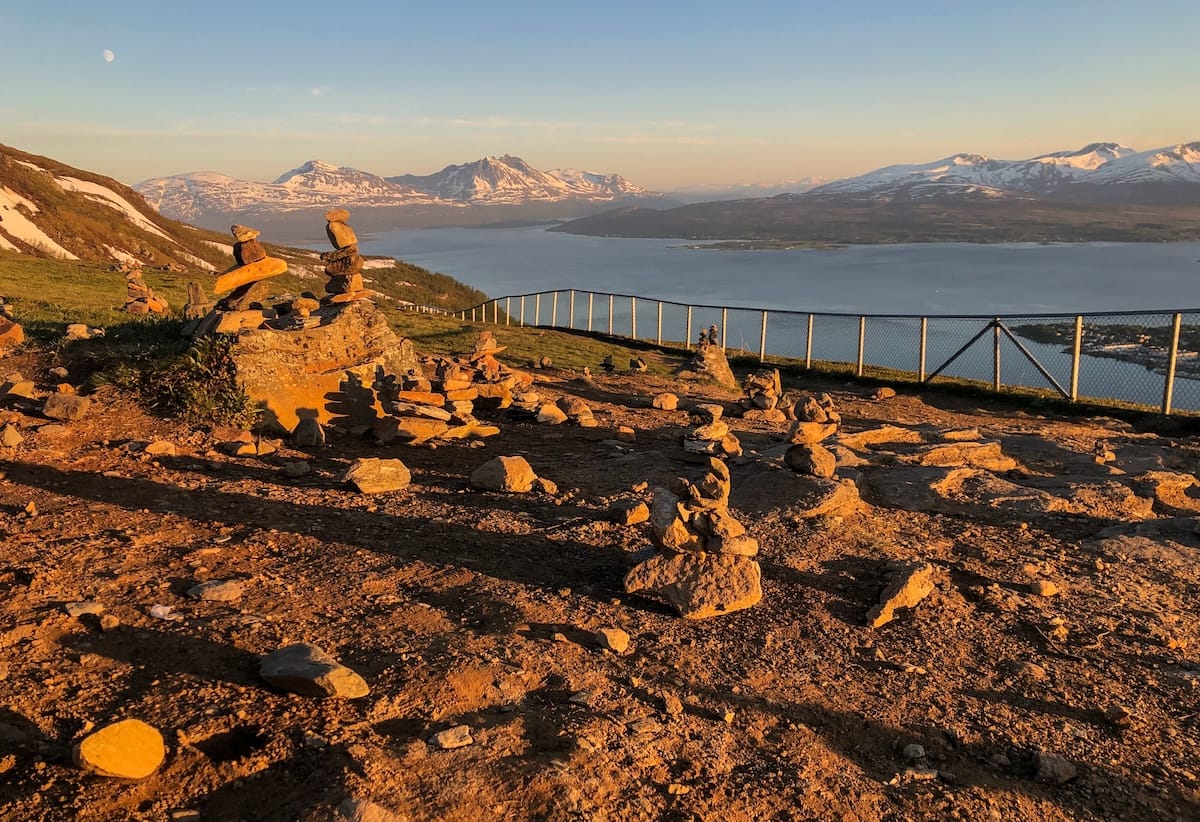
(1149,359)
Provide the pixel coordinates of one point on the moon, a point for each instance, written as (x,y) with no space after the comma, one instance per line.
(109,56)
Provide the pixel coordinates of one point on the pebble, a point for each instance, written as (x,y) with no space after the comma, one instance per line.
(456,737)
(160,448)
(78,609)
(1043,588)
(672,705)
(217,590)
(357,809)
(129,749)
(295,470)
(613,639)
(1053,768)
(914,751)
(1119,715)
(307,670)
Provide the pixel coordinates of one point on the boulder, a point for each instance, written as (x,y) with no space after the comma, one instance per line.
(308,433)
(66,407)
(709,363)
(665,401)
(510,474)
(129,749)
(327,371)
(307,670)
(551,414)
(812,459)
(371,475)
(698,586)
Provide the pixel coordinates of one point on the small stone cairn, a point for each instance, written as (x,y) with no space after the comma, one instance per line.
(11,333)
(243,307)
(816,419)
(709,363)
(764,396)
(440,401)
(343,265)
(704,563)
(712,438)
(139,298)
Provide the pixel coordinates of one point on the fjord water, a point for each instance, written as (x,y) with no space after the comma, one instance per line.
(920,279)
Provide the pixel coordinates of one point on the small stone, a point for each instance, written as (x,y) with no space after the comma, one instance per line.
(914,751)
(357,809)
(911,585)
(160,448)
(295,469)
(10,436)
(371,475)
(672,705)
(340,234)
(244,234)
(629,512)
(546,486)
(883,393)
(665,401)
(249,251)
(613,639)
(1043,588)
(1119,715)
(1054,769)
(676,789)
(812,459)
(306,669)
(78,609)
(66,407)
(108,622)
(710,410)
(456,737)
(217,590)
(626,434)
(551,414)
(129,749)
(337,215)
(509,474)
(308,433)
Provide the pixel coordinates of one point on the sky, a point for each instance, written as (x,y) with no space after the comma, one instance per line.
(669,94)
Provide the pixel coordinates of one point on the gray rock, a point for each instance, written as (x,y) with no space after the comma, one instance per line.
(371,475)
(1054,769)
(914,751)
(308,433)
(66,407)
(78,609)
(306,669)
(451,738)
(296,469)
(217,590)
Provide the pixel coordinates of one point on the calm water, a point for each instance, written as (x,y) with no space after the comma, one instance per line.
(902,279)
(942,278)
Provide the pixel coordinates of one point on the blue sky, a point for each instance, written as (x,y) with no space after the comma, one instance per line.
(667,93)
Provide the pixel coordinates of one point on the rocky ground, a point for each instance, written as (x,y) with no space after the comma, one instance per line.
(1050,674)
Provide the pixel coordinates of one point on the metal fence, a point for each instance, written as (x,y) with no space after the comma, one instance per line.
(1149,359)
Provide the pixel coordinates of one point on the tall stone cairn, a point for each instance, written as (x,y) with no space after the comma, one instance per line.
(704,564)
(139,298)
(343,265)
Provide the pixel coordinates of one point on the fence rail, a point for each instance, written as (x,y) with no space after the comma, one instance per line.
(1147,358)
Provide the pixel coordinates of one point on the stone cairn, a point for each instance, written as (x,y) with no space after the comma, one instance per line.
(712,438)
(764,396)
(816,421)
(343,265)
(439,401)
(703,564)
(709,362)
(244,306)
(198,304)
(139,298)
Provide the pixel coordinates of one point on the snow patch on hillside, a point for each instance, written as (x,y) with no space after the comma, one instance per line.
(113,200)
(122,256)
(19,227)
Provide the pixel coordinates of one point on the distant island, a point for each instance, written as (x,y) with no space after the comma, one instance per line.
(766,245)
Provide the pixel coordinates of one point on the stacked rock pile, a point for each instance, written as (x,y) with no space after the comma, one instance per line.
(709,362)
(244,306)
(198,304)
(139,298)
(343,265)
(11,333)
(764,395)
(712,437)
(816,419)
(704,563)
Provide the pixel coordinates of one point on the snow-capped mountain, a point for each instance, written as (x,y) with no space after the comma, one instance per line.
(1092,172)
(313,185)
(50,209)
(510,180)
(743,191)
(209,197)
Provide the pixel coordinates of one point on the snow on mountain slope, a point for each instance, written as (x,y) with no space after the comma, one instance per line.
(612,184)
(508,180)
(1060,174)
(111,199)
(17,226)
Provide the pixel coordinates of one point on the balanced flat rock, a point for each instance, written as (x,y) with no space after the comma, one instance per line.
(242,274)
(307,670)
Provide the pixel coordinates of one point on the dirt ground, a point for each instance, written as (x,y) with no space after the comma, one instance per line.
(466,607)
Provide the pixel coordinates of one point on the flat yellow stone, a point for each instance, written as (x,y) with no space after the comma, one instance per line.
(340,234)
(129,749)
(252,273)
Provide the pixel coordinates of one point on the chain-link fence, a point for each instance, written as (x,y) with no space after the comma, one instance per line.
(1149,359)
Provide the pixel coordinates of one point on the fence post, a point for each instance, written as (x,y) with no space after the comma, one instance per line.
(808,344)
(591,297)
(659,336)
(537,309)
(862,341)
(554,311)
(472,315)
(522,309)
(1172,358)
(687,335)
(610,319)
(996,354)
(507,310)
(921,356)
(724,323)
(762,338)
(1076,348)
(571,305)
(495,312)
(633,317)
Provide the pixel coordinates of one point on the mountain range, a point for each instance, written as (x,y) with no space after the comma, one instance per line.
(209,198)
